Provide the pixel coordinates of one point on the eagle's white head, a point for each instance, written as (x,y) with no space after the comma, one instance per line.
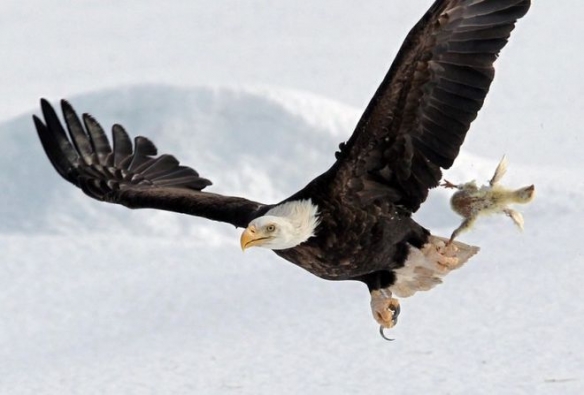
(284,226)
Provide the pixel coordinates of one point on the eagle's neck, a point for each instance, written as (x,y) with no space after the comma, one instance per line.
(299,219)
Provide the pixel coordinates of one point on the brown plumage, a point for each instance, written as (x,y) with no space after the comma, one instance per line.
(413,127)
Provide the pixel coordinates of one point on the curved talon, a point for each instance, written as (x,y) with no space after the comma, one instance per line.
(382,333)
(395,310)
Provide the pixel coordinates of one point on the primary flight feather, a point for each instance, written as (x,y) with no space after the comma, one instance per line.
(354,221)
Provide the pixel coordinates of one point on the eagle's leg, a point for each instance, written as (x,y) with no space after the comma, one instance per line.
(385,309)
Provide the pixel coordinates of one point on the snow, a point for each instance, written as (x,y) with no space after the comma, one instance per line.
(101,299)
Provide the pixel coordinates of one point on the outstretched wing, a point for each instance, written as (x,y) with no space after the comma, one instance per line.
(419,116)
(131,174)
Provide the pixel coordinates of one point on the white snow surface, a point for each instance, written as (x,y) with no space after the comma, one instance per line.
(98,299)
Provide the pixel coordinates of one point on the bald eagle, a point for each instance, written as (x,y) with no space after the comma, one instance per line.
(354,221)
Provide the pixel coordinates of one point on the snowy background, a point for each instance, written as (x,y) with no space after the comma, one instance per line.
(256,95)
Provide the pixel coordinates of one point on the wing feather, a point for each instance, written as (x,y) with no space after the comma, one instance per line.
(79,138)
(122,144)
(419,116)
(143,150)
(131,175)
(58,149)
(100,145)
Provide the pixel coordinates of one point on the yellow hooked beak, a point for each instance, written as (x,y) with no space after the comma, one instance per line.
(252,237)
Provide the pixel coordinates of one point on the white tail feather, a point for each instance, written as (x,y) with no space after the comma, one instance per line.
(425,267)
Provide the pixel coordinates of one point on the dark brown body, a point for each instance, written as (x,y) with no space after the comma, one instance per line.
(354,242)
(363,250)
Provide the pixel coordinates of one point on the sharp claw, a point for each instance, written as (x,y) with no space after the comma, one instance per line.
(382,333)
(395,310)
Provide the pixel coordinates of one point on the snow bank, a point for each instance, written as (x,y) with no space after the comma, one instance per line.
(260,143)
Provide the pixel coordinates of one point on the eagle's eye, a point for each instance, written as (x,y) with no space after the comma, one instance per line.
(270,228)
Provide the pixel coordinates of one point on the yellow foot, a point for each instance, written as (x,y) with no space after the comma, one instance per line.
(385,309)
(444,255)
